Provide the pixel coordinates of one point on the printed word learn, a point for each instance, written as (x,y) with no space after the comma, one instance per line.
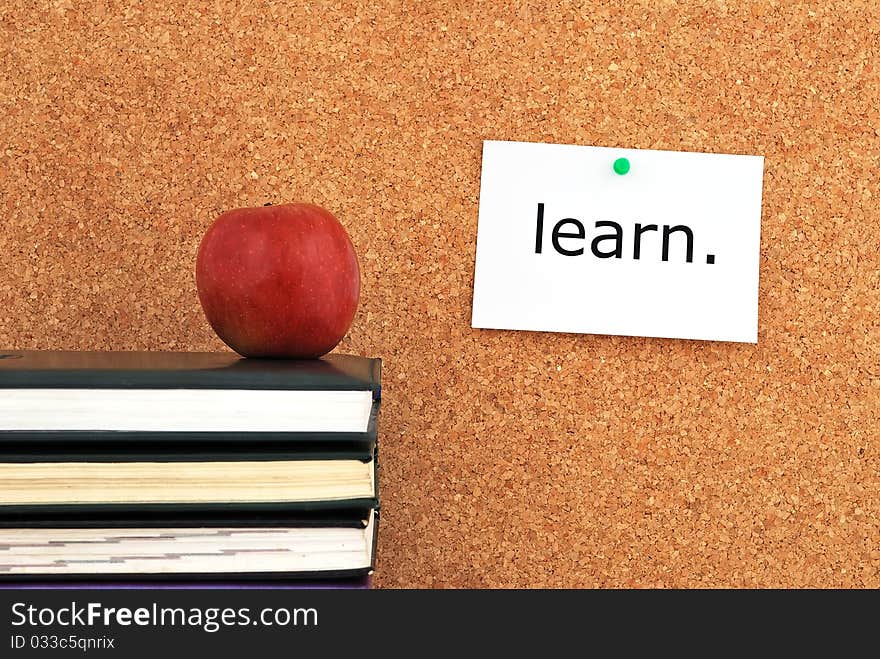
(610,243)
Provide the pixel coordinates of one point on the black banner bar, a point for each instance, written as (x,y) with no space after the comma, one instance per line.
(290,622)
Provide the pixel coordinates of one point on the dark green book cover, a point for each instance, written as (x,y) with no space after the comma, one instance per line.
(105,375)
(184,370)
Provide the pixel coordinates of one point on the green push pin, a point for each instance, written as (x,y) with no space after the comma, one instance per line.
(621,166)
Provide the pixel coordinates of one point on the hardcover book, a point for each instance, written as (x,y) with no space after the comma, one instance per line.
(186,397)
(187,547)
(155,481)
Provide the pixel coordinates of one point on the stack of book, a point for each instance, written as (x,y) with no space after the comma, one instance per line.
(187,467)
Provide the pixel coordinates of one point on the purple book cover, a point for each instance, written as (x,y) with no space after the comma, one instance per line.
(356,583)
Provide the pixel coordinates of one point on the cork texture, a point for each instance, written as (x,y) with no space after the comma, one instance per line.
(508,459)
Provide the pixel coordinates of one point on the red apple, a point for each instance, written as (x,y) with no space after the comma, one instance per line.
(278,281)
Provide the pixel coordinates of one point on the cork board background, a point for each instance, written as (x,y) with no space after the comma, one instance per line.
(508,459)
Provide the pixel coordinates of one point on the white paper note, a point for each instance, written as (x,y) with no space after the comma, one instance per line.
(668,249)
